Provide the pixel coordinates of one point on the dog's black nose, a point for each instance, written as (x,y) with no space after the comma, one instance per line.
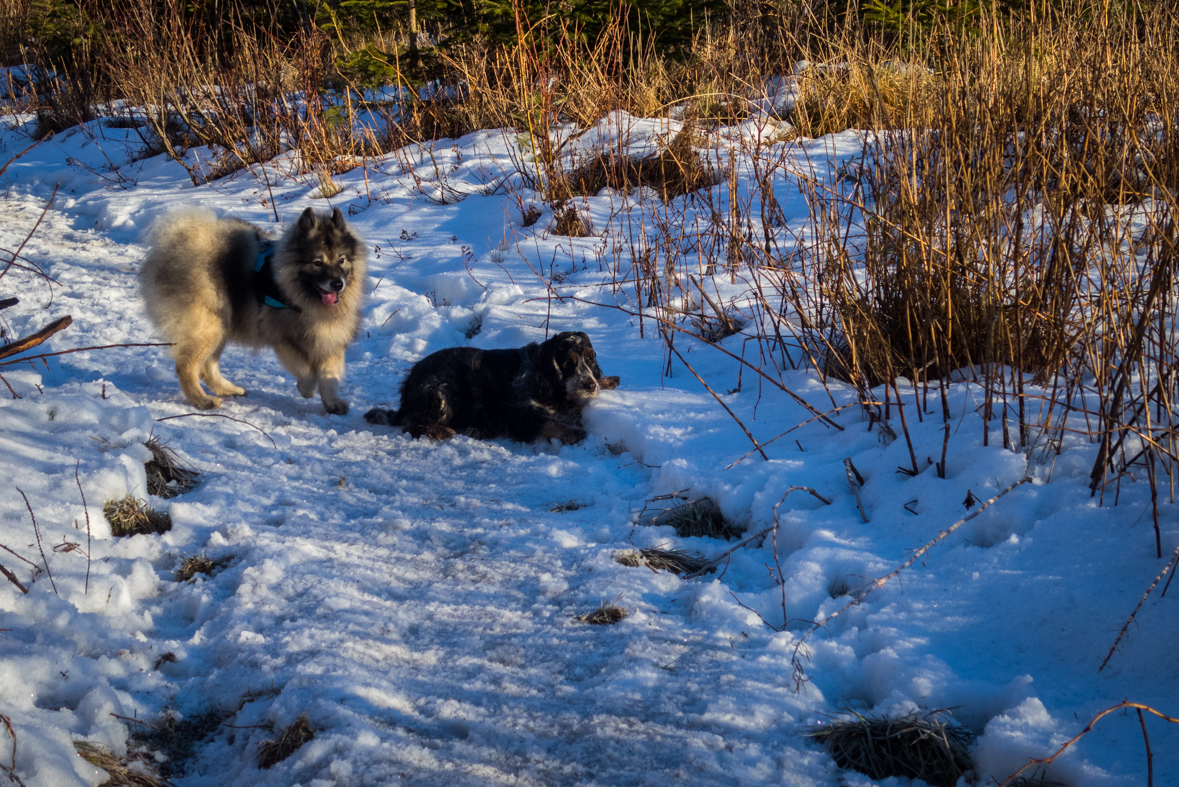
(337,285)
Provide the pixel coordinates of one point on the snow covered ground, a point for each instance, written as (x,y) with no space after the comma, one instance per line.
(419,602)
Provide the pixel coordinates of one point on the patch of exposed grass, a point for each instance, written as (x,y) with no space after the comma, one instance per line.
(191,565)
(166,476)
(677,561)
(271,752)
(569,505)
(130,771)
(607,614)
(925,746)
(132,516)
(697,519)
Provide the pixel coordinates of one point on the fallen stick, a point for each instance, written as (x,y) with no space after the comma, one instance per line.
(33,339)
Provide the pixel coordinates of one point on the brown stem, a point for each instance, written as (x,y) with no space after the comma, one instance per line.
(219,415)
(37,532)
(733,415)
(12,578)
(1088,728)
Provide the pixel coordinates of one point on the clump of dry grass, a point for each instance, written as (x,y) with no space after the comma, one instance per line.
(676,170)
(131,771)
(607,614)
(167,477)
(925,746)
(191,565)
(132,516)
(271,752)
(677,561)
(696,519)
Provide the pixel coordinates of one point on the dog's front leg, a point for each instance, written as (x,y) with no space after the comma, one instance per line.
(330,373)
(306,376)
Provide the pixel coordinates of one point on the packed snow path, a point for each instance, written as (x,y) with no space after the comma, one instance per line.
(419,602)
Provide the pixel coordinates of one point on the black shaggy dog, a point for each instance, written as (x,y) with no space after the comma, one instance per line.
(524,393)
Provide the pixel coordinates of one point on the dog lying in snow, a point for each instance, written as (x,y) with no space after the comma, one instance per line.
(531,392)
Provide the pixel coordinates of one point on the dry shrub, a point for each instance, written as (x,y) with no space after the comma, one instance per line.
(569,221)
(132,516)
(916,746)
(271,752)
(605,615)
(677,561)
(167,477)
(696,519)
(131,771)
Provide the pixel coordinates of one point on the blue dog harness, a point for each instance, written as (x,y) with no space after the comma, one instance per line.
(266,289)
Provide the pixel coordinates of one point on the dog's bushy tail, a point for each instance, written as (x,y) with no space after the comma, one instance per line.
(383,417)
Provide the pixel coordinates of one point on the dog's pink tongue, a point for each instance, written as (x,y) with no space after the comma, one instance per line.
(330,298)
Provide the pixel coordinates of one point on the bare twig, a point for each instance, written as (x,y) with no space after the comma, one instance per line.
(83,349)
(37,531)
(86,509)
(219,415)
(725,554)
(1125,626)
(21,248)
(720,401)
(12,578)
(854,482)
(1088,728)
(875,584)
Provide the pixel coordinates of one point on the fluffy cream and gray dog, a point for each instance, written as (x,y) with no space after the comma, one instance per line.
(208,281)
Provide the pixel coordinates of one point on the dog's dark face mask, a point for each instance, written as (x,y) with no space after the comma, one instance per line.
(573,361)
(325,250)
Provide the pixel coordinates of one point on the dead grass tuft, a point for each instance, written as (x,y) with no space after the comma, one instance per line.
(677,170)
(677,561)
(192,565)
(697,519)
(925,746)
(569,221)
(167,477)
(131,516)
(607,614)
(131,771)
(272,752)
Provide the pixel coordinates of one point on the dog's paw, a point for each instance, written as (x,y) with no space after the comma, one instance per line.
(207,403)
(307,387)
(609,383)
(439,432)
(336,407)
(571,435)
(229,389)
(378,416)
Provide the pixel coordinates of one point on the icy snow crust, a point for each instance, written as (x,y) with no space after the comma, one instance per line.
(419,601)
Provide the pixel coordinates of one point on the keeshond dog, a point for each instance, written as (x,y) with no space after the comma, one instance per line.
(208,281)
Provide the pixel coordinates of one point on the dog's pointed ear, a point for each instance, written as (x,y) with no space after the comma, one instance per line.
(338,220)
(306,222)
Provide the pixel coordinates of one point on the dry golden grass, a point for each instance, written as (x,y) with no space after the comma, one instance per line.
(122,771)
(132,516)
